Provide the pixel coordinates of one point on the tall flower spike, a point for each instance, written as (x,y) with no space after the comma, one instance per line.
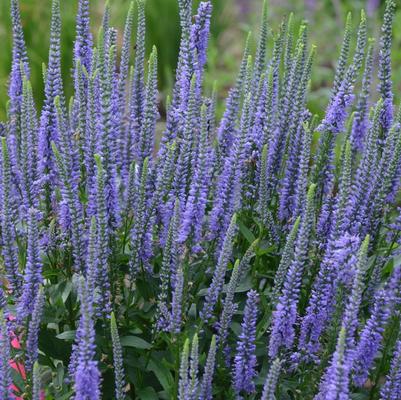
(53,88)
(78,109)
(260,58)
(389,173)
(36,382)
(136,102)
(388,169)
(285,314)
(215,287)
(164,181)
(336,114)
(117,360)
(200,36)
(178,106)
(125,55)
(391,390)
(286,259)
(33,269)
(75,215)
(343,58)
(92,261)
(3,300)
(5,370)
(358,200)
(350,318)
(106,140)
(19,58)
(360,122)
(177,302)
(229,307)
(168,269)
(66,144)
(207,380)
(226,131)
(293,85)
(337,266)
(144,145)
(245,359)
(193,368)
(263,200)
(130,193)
(263,184)
(187,141)
(340,213)
(83,40)
(302,179)
(106,23)
(33,330)
(9,250)
(247,88)
(199,41)
(91,132)
(298,149)
(293,79)
(86,372)
(303,75)
(261,101)
(244,265)
(361,42)
(337,111)
(183,384)
(195,208)
(335,383)
(371,335)
(185,60)
(103,249)
(339,253)
(229,184)
(29,147)
(140,241)
(123,76)
(385,85)
(272,88)
(270,386)
(288,52)
(212,109)
(337,376)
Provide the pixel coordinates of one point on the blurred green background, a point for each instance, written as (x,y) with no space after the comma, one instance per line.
(231,20)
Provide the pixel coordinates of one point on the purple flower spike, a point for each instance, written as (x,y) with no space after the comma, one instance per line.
(245,360)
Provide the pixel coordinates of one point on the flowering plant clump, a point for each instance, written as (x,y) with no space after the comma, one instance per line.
(251,257)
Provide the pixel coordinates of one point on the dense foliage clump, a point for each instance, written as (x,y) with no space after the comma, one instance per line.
(252,257)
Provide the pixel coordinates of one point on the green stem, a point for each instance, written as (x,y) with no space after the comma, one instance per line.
(380,370)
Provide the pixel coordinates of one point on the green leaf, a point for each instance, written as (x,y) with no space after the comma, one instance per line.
(148,393)
(135,341)
(67,335)
(249,236)
(264,248)
(66,291)
(136,331)
(245,285)
(54,347)
(162,373)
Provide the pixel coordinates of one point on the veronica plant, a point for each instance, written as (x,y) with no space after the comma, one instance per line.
(150,249)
